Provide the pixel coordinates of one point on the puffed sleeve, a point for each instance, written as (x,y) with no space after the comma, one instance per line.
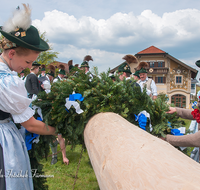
(13,99)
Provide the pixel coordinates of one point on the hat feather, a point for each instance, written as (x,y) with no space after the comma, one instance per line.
(70,62)
(20,19)
(142,64)
(88,58)
(43,66)
(52,68)
(130,59)
(61,66)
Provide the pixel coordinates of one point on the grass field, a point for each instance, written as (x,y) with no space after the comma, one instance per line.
(64,175)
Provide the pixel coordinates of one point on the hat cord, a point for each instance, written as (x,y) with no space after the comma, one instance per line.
(5,62)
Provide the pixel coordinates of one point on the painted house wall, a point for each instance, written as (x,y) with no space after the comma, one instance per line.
(170,87)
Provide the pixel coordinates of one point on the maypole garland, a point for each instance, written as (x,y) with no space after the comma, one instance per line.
(101,94)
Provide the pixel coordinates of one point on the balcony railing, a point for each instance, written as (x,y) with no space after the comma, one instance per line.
(158,70)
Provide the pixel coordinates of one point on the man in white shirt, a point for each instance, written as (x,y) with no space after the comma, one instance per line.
(61,73)
(145,81)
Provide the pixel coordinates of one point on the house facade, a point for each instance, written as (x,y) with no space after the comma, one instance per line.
(172,77)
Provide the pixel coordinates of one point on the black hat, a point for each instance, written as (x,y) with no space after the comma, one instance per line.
(35,63)
(197,63)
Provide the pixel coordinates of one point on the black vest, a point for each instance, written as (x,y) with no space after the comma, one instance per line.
(4,115)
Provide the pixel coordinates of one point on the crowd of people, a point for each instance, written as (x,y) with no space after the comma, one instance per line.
(21,45)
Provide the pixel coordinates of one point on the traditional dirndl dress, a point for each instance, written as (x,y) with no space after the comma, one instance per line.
(15,170)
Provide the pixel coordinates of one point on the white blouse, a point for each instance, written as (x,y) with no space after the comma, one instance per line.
(13,95)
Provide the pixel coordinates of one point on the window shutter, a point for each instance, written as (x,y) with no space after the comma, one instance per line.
(156,79)
(164,80)
(163,65)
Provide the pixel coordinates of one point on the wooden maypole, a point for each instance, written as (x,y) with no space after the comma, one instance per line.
(126,157)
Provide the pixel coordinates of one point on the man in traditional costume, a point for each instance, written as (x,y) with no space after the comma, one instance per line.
(32,83)
(85,65)
(61,73)
(125,70)
(145,81)
(43,71)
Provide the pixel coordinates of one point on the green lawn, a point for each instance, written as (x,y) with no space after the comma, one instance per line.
(64,175)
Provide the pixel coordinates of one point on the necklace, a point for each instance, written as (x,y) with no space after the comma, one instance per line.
(5,61)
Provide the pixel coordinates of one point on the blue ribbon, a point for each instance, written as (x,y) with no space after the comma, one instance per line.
(30,137)
(169,124)
(142,120)
(176,132)
(77,96)
(194,104)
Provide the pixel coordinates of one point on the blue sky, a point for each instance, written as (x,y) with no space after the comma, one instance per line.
(109,29)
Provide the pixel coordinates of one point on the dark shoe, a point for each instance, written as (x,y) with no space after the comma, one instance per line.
(54,160)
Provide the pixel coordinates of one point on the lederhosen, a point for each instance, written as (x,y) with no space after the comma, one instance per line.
(3,116)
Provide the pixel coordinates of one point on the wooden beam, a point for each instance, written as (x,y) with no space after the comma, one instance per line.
(126,157)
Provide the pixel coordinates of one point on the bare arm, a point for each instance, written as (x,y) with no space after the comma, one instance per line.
(38,127)
(63,148)
(154,97)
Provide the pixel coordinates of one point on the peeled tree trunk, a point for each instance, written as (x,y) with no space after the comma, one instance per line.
(126,157)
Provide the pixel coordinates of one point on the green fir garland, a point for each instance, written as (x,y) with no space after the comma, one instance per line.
(101,94)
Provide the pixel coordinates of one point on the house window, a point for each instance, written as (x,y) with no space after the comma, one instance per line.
(179,100)
(160,80)
(160,64)
(192,86)
(151,63)
(178,79)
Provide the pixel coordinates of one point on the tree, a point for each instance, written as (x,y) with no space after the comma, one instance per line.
(46,57)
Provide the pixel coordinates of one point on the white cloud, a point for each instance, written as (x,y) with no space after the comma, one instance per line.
(107,40)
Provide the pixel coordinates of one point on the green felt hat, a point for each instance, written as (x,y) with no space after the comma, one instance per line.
(85,64)
(112,76)
(35,63)
(62,72)
(71,67)
(51,73)
(197,63)
(142,70)
(29,38)
(124,68)
(136,74)
(22,71)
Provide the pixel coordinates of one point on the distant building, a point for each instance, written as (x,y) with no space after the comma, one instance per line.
(172,77)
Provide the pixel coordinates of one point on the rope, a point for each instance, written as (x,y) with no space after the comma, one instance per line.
(78,167)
